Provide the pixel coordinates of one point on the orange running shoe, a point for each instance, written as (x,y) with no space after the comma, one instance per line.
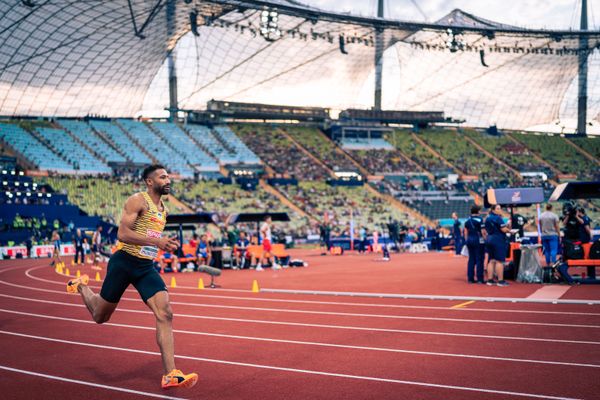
(176,378)
(73,284)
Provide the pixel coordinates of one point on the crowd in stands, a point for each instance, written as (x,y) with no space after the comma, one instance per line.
(212,196)
(378,161)
(462,154)
(322,147)
(339,205)
(279,153)
(404,141)
(557,151)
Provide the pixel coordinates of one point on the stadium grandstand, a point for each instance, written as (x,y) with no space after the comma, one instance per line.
(327,138)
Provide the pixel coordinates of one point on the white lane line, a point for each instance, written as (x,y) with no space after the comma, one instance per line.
(322,326)
(445,308)
(344,314)
(78,382)
(318,344)
(296,370)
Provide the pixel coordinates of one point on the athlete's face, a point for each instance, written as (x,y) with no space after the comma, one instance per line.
(160,182)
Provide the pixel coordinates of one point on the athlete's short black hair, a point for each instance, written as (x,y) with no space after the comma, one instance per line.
(150,169)
(475,209)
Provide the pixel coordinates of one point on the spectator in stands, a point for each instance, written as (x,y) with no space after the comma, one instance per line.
(496,245)
(44,223)
(18,222)
(204,251)
(476,236)
(550,234)
(78,243)
(241,247)
(457,233)
(56,224)
(56,251)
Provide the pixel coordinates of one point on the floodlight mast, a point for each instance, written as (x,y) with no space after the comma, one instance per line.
(173,106)
(583,72)
(379,47)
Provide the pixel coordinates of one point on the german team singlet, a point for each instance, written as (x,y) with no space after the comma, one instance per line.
(150,224)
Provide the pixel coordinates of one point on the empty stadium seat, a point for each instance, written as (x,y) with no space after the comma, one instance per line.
(33,150)
(85,134)
(119,140)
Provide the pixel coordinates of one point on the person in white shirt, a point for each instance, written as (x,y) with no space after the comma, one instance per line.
(265,234)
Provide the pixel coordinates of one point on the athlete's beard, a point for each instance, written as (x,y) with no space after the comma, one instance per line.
(164,190)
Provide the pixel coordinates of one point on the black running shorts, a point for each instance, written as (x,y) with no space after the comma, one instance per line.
(125,269)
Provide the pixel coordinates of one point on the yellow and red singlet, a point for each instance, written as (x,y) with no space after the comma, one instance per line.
(150,224)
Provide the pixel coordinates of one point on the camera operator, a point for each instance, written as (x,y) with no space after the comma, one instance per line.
(585,230)
(573,227)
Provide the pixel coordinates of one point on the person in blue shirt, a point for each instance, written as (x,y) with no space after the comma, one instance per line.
(203,251)
(476,236)
(457,234)
(241,247)
(496,245)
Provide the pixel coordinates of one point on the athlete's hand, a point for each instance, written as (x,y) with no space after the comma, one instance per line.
(168,244)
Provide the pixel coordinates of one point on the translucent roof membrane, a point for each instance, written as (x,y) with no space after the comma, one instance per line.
(69,58)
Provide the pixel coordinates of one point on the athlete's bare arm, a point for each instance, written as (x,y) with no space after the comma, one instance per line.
(134,207)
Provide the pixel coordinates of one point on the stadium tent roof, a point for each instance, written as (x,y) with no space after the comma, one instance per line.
(74,58)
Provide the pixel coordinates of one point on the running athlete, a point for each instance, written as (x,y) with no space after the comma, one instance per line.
(140,237)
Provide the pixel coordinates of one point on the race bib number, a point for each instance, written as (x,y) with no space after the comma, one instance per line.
(153,234)
(149,251)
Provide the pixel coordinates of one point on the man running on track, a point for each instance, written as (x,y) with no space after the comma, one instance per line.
(140,237)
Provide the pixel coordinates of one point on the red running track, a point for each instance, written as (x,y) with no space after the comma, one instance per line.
(277,346)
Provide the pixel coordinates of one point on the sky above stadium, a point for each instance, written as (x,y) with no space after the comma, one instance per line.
(554,14)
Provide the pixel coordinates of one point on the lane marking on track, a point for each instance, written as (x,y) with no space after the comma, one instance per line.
(97,385)
(295,370)
(344,314)
(431,296)
(318,344)
(461,305)
(245,298)
(324,326)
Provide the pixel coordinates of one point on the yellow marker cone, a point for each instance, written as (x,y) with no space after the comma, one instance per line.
(72,262)
(56,269)
(200,284)
(78,274)
(67,272)
(97,276)
(59,269)
(173,283)
(255,288)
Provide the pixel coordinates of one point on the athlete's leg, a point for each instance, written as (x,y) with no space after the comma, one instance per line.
(159,304)
(100,309)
